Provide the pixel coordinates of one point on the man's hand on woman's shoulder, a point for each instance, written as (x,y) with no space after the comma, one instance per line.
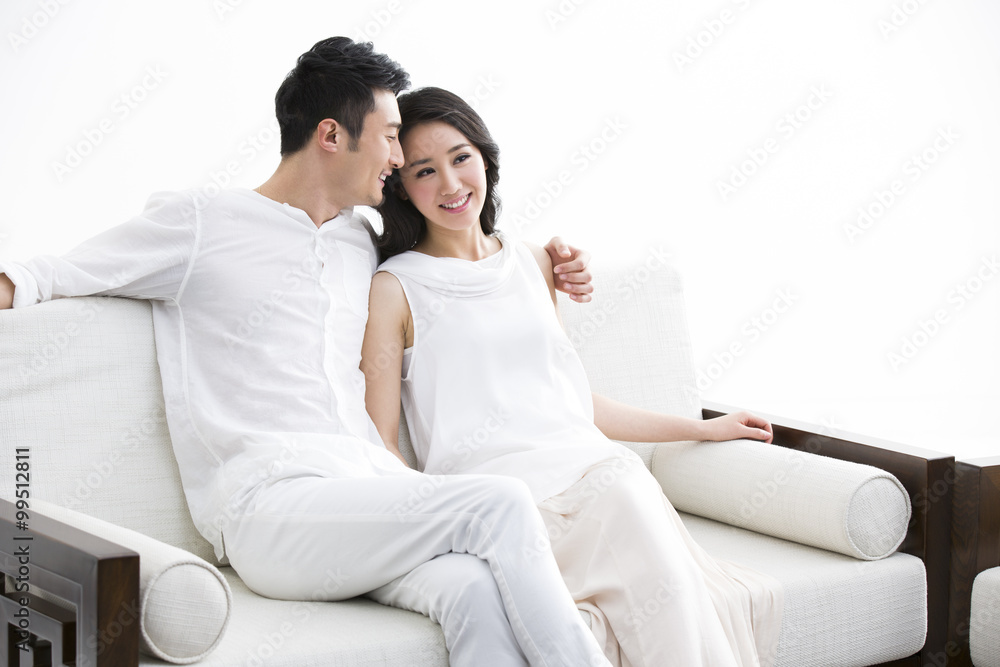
(570,269)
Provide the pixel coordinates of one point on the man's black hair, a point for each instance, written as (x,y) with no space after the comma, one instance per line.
(335,79)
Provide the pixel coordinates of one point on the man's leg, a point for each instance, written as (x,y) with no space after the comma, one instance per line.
(458,592)
(331,539)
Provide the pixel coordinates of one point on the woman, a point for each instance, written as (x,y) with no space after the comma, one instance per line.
(463,328)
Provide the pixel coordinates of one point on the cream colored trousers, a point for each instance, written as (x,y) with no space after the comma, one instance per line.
(654,596)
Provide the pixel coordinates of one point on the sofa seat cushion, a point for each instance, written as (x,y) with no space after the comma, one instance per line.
(838,610)
(984,624)
(352,633)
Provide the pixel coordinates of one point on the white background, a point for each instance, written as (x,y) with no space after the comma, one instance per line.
(685,93)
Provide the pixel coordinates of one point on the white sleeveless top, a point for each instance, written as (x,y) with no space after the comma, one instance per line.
(492,384)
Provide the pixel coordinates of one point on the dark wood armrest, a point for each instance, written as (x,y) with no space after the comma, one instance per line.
(929,478)
(975,545)
(98,577)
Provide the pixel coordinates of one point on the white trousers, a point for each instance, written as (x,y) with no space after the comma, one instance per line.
(469,551)
(655,597)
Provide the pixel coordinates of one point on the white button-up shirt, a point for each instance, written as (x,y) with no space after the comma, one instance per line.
(259,318)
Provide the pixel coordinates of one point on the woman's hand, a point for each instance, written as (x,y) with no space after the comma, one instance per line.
(738,425)
(570,269)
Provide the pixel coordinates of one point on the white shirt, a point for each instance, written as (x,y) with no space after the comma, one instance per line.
(259,318)
(492,384)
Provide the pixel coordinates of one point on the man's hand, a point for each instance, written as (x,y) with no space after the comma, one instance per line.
(569,266)
(6,292)
(738,425)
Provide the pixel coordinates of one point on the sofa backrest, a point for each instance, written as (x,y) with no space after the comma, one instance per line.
(80,387)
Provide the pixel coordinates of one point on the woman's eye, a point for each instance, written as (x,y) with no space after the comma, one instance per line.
(462,158)
(424,172)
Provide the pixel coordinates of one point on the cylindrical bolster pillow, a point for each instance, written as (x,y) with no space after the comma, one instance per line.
(853,509)
(984,623)
(184,602)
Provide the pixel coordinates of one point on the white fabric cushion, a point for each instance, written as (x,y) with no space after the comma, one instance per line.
(80,385)
(853,509)
(984,624)
(184,602)
(351,633)
(838,610)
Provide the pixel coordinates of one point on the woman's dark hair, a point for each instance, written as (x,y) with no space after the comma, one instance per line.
(336,79)
(403,224)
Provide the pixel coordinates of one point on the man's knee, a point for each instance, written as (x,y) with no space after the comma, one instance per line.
(467,582)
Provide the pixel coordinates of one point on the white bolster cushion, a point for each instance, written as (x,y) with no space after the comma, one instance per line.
(184,602)
(850,508)
(984,623)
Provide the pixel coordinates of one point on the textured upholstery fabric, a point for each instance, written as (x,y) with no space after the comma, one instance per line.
(838,610)
(853,509)
(614,336)
(184,602)
(984,623)
(80,386)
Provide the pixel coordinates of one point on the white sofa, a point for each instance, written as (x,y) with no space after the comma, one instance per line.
(984,626)
(80,400)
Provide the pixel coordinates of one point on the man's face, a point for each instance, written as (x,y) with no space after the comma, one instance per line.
(377,153)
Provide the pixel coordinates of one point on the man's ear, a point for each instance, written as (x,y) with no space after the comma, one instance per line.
(331,135)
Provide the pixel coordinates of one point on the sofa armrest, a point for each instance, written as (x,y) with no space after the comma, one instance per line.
(929,478)
(975,544)
(97,576)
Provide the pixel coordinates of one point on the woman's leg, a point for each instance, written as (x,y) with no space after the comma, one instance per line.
(660,598)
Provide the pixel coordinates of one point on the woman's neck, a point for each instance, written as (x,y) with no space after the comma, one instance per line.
(470,244)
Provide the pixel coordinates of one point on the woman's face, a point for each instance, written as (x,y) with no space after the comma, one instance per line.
(444,176)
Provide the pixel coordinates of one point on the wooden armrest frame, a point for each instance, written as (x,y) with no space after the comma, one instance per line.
(975,545)
(99,578)
(929,478)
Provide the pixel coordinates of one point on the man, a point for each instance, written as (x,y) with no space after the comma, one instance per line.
(259,307)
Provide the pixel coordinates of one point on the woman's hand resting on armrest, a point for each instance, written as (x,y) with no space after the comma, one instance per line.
(738,425)
(6,292)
